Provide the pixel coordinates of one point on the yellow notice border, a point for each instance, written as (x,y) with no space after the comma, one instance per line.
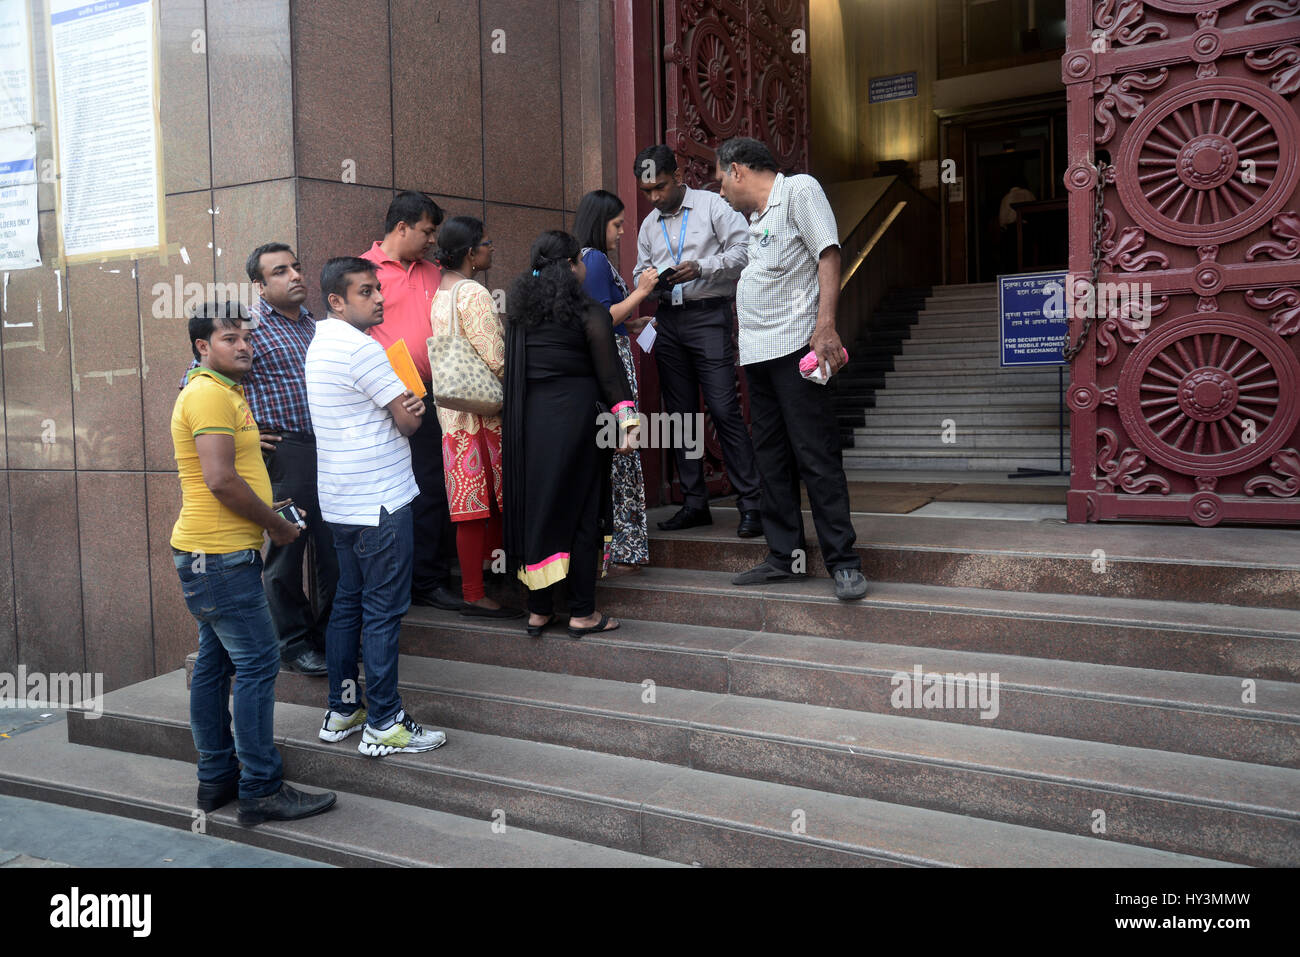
(110,255)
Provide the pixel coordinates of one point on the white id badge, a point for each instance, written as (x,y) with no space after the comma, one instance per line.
(677,295)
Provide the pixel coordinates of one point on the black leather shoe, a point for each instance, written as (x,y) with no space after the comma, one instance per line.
(763,574)
(440,597)
(687,517)
(751,524)
(309,661)
(214,796)
(286,804)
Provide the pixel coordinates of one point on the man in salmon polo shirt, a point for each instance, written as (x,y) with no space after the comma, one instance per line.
(408,282)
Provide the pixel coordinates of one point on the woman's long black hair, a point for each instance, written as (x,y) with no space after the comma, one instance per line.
(549,291)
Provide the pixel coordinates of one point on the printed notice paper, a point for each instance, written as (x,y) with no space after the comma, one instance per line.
(104,56)
(16,106)
(18,222)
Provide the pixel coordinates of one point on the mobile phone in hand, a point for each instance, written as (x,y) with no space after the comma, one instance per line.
(292,515)
(667,280)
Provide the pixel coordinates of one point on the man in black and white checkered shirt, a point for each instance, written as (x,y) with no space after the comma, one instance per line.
(786,301)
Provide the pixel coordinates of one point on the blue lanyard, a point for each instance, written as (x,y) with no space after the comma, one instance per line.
(681,240)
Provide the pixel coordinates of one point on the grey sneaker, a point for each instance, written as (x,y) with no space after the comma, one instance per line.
(403,735)
(850,585)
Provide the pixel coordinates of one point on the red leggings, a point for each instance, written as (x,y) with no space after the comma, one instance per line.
(476,539)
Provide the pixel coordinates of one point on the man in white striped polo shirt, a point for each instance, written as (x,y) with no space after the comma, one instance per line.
(362,416)
(786,301)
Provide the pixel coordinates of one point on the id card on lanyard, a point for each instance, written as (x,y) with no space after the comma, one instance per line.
(677,256)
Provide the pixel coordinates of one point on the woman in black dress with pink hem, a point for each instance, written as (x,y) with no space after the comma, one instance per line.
(562,371)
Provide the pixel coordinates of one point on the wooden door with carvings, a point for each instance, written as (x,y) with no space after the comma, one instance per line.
(1187,409)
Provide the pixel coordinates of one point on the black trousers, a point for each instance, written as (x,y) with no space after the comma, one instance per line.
(435,542)
(292,468)
(695,353)
(795,436)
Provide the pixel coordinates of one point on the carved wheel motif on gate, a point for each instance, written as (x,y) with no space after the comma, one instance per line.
(1210,394)
(714,77)
(732,70)
(1187,406)
(1180,165)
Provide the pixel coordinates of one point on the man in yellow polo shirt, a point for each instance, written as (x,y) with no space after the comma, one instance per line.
(216,543)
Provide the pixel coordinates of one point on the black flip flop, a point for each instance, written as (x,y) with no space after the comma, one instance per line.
(535,631)
(597,627)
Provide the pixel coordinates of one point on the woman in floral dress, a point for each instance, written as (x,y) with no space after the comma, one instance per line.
(471,444)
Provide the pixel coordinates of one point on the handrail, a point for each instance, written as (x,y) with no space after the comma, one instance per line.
(871,243)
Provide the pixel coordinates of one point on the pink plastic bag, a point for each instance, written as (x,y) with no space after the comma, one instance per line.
(809,370)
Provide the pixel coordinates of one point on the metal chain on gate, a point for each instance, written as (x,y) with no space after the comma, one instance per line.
(1070,352)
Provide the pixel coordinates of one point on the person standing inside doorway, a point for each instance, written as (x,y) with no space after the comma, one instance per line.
(216,544)
(409,282)
(364,416)
(693,233)
(786,299)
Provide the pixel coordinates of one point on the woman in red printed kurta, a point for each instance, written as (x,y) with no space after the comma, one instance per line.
(471,444)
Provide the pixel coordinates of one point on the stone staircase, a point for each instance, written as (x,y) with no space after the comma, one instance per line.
(734,727)
(927,392)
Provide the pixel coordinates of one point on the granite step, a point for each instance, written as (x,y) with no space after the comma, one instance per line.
(964,437)
(974,460)
(1143,707)
(359,831)
(950,345)
(898,397)
(688,815)
(1255,643)
(889,757)
(996,416)
(1246,570)
(986,379)
(909,362)
(975,329)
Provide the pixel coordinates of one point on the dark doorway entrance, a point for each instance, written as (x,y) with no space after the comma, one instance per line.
(1017,209)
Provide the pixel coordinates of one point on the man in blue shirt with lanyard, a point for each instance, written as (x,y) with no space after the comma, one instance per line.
(695,233)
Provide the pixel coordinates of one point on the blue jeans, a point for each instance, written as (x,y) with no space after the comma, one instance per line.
(373,594)
(224,594)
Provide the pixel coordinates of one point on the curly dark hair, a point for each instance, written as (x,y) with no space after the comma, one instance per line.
(549,291)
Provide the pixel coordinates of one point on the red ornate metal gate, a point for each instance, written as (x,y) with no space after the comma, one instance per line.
(1189,410)
(734,68)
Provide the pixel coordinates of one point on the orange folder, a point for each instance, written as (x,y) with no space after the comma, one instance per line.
(404,366)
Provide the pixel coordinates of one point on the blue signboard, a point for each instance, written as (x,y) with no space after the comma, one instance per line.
(882,89)
(1033,319)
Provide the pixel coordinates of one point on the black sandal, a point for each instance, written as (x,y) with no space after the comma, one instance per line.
(535,631)
(597,627)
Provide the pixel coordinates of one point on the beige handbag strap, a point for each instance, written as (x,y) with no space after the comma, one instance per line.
(455,313)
